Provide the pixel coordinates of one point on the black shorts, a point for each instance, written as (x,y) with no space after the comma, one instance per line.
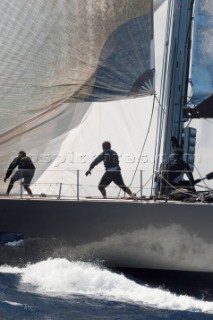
(112,176)
(26,174)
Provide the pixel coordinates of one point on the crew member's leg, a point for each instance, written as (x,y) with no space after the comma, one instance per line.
(28,190)
(105,181)
(15,177)
(118,180)
(28,176)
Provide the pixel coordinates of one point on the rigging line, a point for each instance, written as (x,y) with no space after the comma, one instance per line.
(206,187)
(148,130)
(201,176)
(188,124)
(147,181)
(162,110)
(145,184)
(161,113)
(147,134)
(180,190)
(160,105)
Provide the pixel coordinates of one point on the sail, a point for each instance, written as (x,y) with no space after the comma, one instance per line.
(124,123)
(72,50)
(202,58)
(203,110)
(66,135)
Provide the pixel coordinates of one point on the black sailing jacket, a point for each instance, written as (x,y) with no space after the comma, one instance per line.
(176,168)
(110,159)
(22,162)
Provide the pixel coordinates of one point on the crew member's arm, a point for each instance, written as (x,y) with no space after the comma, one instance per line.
(11,167)
(95,162)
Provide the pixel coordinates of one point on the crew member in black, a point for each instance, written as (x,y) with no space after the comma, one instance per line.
(174,171)
(26,170)
(113,170)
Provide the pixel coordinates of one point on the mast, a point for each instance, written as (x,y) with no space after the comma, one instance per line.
(177,70)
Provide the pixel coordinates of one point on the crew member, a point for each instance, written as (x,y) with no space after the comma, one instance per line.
(113,170)
(172,177)
(26,170)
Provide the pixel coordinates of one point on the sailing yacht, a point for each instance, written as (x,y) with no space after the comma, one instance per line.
(73,63)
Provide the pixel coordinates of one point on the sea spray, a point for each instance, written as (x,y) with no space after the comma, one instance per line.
(63,278)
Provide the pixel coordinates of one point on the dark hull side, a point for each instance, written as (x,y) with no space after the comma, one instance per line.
(119,234)
(196,284)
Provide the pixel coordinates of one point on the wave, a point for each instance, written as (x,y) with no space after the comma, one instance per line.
(63,278)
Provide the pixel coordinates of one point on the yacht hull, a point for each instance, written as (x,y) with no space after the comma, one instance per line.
(117,233)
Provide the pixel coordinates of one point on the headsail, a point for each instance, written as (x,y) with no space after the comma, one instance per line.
(72,50)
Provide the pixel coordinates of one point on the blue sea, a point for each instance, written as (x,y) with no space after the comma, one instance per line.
(58,289)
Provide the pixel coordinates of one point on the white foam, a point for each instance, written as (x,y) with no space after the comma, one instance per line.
(15,304)
(8,269)
(60,277)
(18,243)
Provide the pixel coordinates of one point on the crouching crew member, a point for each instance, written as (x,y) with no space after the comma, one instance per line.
(26,170)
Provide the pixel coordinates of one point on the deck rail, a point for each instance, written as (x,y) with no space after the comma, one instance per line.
(76,185)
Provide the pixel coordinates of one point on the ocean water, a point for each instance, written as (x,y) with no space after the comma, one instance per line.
(58,289)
